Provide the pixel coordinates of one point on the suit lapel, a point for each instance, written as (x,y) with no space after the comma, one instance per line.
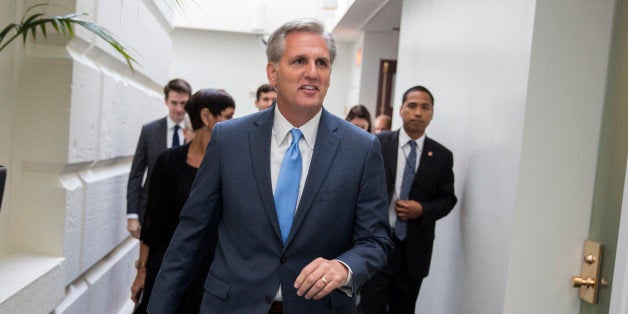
(390,146)
(427,158)
(327,143)
(259,147)
(391,149)
(162,135)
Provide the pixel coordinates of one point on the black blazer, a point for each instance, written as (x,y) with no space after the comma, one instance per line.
(152,142)
(433,187)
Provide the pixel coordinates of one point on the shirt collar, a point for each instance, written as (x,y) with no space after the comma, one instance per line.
(170,123)
(281,127)
(404,138)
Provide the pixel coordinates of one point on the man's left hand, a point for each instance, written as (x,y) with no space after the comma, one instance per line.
(408,209)
(320,277)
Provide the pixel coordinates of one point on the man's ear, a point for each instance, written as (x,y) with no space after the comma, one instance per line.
(271,72)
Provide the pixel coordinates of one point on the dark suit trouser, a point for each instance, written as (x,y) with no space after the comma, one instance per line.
(391,287)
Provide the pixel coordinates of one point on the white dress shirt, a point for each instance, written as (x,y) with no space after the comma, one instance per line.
(403,151)
(170,131)
(280,141)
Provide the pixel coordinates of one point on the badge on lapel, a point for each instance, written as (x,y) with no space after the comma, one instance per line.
(429,153)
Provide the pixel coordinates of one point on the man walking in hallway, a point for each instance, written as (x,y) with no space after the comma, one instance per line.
(420,184)
(155,138)
(382,123)
(265,96)
(297,195)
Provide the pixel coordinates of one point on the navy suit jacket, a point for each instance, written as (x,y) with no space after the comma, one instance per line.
(152,142)
(433,187)
(342,215)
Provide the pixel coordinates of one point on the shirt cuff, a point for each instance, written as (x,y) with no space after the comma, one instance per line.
(132,216)
(348,286)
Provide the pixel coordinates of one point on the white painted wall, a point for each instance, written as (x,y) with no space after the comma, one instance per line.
(340,84)
(518,89)
(377,46)
(474,59)
(237,62)
(70,124)
(355,77)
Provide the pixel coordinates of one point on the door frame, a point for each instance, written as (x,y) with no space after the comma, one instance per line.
(619,292)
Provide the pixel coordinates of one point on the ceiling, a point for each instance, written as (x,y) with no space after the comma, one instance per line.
(263,16)
(369,16)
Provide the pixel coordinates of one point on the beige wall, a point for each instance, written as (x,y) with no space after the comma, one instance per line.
(6,124)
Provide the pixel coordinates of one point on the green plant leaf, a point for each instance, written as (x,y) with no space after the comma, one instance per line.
(7,29)
(63,25)
(68,25)
(42,26)
(55,24)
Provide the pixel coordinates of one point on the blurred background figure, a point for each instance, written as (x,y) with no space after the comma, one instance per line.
(382,123)
(169,188)
(265,96)
(359,116)
(156,137)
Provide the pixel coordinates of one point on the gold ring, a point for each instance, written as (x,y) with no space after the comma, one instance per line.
(324,280)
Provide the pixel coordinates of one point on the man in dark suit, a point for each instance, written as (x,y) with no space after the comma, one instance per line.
(155,138)
(420,183)
(297,194)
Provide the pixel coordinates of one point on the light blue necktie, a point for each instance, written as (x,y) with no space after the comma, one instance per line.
(406,184)
(287,190)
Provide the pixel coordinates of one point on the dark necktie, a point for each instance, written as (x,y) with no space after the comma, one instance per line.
(406,185)
(175,136)
(287,189)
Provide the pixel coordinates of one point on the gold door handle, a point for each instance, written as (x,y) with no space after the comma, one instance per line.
(582,282)
(589,282)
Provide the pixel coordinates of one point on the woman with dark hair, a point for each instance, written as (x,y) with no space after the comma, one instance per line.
(360,117)
(168,190)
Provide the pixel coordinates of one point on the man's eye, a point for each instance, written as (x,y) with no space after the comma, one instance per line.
(322,63)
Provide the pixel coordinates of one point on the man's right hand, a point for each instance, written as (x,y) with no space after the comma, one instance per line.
(133,225)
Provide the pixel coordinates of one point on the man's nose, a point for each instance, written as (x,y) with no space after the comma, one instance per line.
(311,70)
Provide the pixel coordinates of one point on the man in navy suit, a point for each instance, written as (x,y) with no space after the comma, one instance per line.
(156,137)
(312,257)
(420,183)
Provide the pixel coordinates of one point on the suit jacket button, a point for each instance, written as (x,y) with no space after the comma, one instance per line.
(283,260)
(268,299)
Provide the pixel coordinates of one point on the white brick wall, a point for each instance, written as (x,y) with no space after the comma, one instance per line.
(104,223)
(74,119)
